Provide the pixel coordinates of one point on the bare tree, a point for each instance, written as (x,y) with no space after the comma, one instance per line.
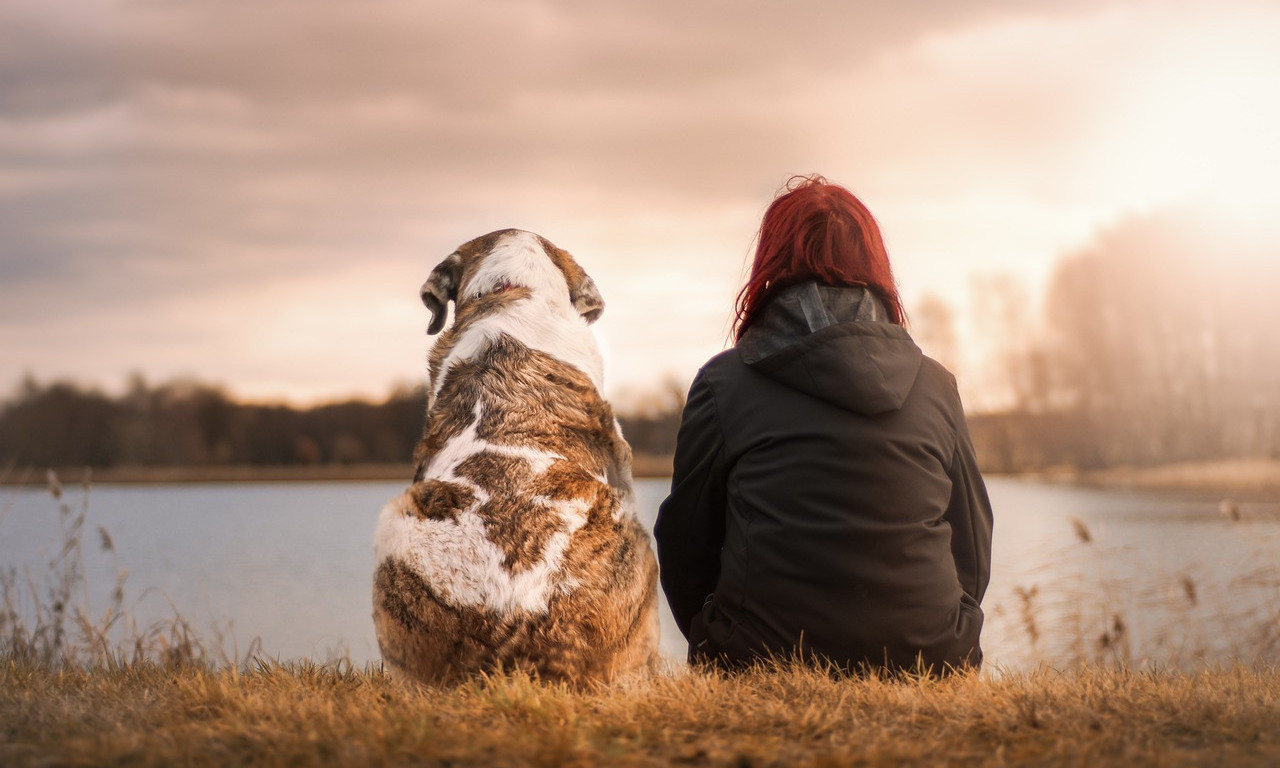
(1162,341)
(933,326)
(1016,364)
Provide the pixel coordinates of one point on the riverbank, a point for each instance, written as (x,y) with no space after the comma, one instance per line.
(1240,479)
(308,715)
(644,466)
(314,473)
(1243,479)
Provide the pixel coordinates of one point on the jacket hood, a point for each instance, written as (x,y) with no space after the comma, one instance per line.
(836,344)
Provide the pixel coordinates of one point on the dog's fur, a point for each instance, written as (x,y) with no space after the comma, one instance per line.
(517,546)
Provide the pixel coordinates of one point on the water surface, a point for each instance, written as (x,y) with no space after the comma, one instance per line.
(1162,577)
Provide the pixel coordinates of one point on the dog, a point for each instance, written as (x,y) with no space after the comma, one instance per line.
(517,546)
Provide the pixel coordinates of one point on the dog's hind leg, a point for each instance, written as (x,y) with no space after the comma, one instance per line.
(417,633)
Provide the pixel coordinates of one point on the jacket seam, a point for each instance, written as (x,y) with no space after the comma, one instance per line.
(709,477)
(957,436)
(973,529)
(722,455)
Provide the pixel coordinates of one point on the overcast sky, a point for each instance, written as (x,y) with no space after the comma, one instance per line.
(251,192)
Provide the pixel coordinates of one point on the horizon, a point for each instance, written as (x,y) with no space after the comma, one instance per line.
(185,195)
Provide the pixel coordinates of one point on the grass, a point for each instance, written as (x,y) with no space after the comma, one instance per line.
(279,715)
(86,687)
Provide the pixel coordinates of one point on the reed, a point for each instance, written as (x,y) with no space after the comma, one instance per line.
(47,620)
(1184,618)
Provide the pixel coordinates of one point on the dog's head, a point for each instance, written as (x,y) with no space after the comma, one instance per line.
(504,260)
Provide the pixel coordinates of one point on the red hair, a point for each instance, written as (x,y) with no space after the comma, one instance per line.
(816,230)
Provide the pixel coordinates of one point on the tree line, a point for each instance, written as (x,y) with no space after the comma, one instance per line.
(1156,344)
(188,423)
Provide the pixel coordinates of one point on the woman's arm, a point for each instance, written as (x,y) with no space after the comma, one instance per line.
(969,514)
(690,527)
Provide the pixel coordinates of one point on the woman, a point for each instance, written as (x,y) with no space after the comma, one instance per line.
(825,500)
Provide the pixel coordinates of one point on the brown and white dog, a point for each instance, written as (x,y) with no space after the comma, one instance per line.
(517,546)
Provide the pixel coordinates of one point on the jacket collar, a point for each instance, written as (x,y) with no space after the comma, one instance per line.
(835,344)
(799,310)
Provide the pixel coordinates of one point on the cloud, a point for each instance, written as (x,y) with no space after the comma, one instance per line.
(205,162)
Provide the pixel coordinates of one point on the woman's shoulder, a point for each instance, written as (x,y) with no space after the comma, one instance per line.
(938,385)
(725,361)
(936,371)
(726,369)
(720,374)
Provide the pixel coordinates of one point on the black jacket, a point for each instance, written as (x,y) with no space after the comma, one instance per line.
(825,497)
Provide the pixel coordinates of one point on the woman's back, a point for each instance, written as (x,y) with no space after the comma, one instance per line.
(840,448)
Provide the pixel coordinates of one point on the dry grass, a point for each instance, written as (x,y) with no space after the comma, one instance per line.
(308,715)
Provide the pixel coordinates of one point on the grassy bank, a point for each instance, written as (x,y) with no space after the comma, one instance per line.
(308,715)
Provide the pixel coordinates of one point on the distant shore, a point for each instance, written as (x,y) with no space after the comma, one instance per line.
(1245,479)
(643,466)
(1240,478)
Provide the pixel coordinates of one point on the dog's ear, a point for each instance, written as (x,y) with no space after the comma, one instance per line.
(441,288)
(581,288)
(586,298)
(583,292)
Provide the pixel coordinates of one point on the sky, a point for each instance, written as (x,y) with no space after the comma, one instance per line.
(251,192)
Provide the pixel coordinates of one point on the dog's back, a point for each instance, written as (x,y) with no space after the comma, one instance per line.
(517,546)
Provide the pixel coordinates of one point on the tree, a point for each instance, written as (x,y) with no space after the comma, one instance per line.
(1016,366)
(1161,341)
(933,327)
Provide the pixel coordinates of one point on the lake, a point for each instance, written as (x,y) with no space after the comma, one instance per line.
(1078,573)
